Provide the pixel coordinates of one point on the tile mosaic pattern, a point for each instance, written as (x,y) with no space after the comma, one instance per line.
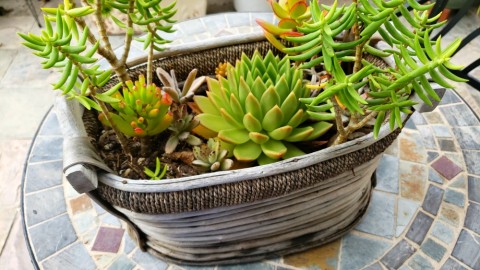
(424,213)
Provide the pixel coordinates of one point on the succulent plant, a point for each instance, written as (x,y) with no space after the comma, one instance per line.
(257,109)
(212,157)
(291,14)
(141,110)
(183,122)
(159,173)
(339,39)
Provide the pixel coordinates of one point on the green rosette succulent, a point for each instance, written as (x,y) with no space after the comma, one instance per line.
(142,110)
(257,109)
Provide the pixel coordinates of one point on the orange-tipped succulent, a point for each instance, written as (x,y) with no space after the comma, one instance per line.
(142,110)
(291,14)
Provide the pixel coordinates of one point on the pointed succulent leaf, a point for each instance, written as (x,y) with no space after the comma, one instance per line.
(251,123)
(300,134)
(258,137)
(274,149)
(280,133)
(273,119)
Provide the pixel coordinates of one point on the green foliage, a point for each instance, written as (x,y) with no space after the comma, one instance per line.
(159,173)
(141,110)
(384,90)
(212,157)
(153,19)
(256,108)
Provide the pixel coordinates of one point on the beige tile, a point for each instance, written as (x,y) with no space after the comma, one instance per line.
(15,254)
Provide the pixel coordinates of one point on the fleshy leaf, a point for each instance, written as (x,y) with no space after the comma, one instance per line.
(234,136)
(274,149)
(248,151)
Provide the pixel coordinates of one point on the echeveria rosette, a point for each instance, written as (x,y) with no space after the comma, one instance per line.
(142,110)
(257,109)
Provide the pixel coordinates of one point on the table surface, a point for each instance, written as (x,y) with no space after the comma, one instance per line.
(424,212)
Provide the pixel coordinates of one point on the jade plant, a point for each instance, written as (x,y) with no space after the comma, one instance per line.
(337,43)
(256,108)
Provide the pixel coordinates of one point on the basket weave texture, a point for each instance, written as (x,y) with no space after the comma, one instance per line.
(241,192)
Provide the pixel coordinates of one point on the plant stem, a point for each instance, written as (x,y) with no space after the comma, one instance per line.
(150,58)
(128,34)
(341,138)
(338,118)
(120,70)
(359,47)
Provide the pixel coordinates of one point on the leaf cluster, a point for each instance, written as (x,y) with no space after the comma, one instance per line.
(335,35)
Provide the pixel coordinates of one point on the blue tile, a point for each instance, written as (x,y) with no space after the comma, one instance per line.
(375,266)
(434,176)
(111,220)
(410,124)
(122,263)
(358,252)
(43,175)
(50,126)
(433,199)
(459,115)
(420,262)
(441,131)
(387,174)
(51,236)
(431,156)
(427,135)
(129,244)
(398,255)
(474,188)
(455,197)
(418,119)
(472,159)
(419,228)
(380,216)
(451,264)
(447,145)
(467,249)
(449,97)
(249,266)
(75,256)
(406,209)
(148,261)
(47,149)
(472,220)
(467,137)
(459,182)
(433,250)
(43,205)
(443,232)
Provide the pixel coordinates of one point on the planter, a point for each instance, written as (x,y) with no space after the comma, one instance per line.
(233,216)
(251,6)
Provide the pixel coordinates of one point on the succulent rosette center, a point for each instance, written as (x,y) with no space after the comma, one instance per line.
(257,109)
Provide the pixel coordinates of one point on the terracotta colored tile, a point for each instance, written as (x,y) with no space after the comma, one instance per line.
(80,204)
(108,239)
(413,180)
(449,214)
(412,149)
(446,167)
(324,257)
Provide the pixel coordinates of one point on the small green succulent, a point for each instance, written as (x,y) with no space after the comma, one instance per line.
(257,109)
(142,110)
(159,172)
(212,157)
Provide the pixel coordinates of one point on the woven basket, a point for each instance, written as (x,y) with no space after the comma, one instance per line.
(234,216)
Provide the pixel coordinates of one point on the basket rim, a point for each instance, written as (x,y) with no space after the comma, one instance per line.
(226,177)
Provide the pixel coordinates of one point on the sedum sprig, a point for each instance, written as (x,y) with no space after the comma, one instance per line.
(368,92)
(159,172)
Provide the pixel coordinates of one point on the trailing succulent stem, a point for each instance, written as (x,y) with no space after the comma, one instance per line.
(368,91)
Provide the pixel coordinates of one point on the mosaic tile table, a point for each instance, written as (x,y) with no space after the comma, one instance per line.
(424,212)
